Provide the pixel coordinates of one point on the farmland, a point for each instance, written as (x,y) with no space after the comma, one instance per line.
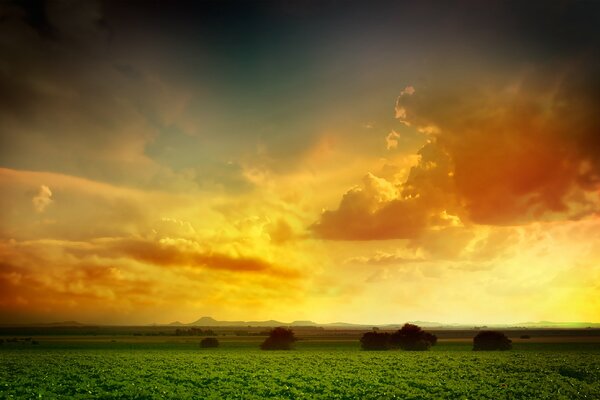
(320,367)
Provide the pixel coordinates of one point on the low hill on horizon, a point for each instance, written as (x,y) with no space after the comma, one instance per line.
(211,322)
(207,321)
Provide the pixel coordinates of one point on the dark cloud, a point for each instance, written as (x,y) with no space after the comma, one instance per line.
(512,135)
(521,149)
(70,103)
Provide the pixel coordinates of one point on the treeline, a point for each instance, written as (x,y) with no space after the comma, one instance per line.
(194,332)
(409,337)
(412,338)
(26,340)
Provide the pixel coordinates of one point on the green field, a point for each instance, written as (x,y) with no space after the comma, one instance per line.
(121,367)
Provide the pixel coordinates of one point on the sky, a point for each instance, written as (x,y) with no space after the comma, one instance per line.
(368,162)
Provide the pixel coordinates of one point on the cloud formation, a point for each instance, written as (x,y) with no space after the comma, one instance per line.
(185,253)
(519,151)
(380,209)
(391,140)
(509,153)
(42,199)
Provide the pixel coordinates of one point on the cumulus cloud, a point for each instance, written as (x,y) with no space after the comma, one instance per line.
(42,199)
(380,209)
(372,211)
(518,152)
(509,152)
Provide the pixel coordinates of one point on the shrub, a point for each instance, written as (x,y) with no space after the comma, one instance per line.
(209,342)
(491,340)
(412,337)
(375,341)
(279,339)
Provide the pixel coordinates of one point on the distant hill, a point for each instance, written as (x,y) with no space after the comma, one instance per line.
(549,324)
(211,322)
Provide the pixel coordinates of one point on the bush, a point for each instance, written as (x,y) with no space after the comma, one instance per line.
(209,342)
(413,338)
(279,339)
(375,341)
(491,340)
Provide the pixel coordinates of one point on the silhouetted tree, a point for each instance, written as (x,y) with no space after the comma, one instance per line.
(491,340)
(209,342)
(375,341)
(431,338)
(412,337)
(279,339)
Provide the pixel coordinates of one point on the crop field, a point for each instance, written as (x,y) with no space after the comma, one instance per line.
(122,368)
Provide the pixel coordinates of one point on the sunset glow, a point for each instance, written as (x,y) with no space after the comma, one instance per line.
(324,161)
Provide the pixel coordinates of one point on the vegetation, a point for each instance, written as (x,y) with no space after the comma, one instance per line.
(194,332)
(375,341)
(525,336)
(409,337)
(491,340)
(279,339)
(209,342)
(239,370)
(413,338)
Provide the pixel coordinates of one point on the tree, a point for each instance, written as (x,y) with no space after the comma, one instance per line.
(279,339)
(491,340)
(431,338)
(412,337)
(375,341)
(209,342)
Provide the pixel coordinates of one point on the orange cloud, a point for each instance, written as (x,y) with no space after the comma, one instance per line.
(42,199)
(127,278)
(391,140)
(507,155)
(370,212)
(381,209)
(169,254)
(519,152)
